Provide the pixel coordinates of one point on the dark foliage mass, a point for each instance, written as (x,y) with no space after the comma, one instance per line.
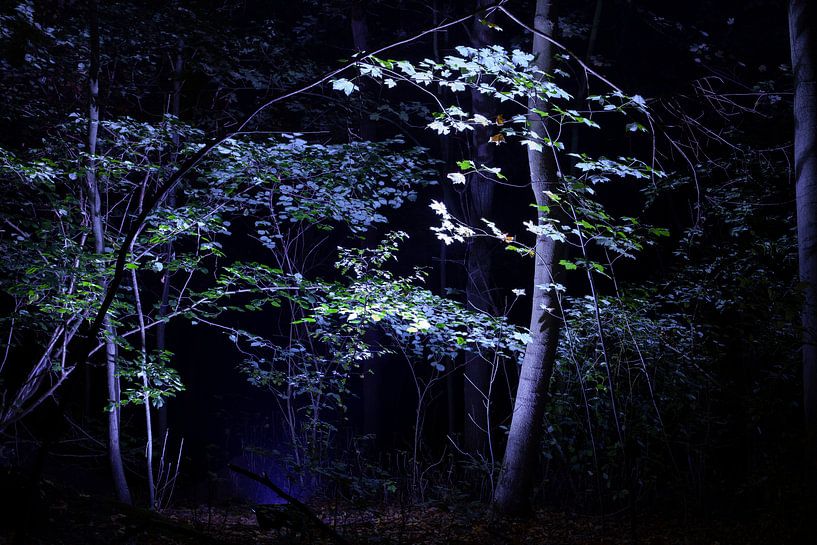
(408,271)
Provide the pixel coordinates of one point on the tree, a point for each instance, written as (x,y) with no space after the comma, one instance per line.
(803,36)
(289,193)
(164,307)
(479,285)
(98,229)
(568,209)
(521,452)
(54,281)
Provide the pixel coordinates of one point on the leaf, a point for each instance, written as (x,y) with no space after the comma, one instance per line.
(343,84)
(568,265)
(490,25)
(481,119)
(497,139)
(440,127)
(456,177)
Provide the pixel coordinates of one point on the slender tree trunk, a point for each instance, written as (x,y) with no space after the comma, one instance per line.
(373,369)
(360,39)
(360,29)
(145,393)
(95,206)
(594,30)
(164,303)
(161,328)
(803,36)
(441,10)
(517,474)
(451,383)
(478,281)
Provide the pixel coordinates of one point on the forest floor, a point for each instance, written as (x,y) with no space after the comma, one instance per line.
(55,516)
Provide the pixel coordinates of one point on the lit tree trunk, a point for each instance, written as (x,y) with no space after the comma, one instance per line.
(478,282)
(517,474)
(95,209)
(145,393)
(803,35)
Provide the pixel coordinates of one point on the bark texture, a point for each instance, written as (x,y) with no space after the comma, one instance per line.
(513,491)
(803,36)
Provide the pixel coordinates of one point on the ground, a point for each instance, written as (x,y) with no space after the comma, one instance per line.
(57,516)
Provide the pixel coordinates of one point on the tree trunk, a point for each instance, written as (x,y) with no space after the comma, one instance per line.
(95,206)
(478,282)
(594,30)
(373,368)
(145,393)
(360,39)
(803,35)
(164,303)
(517,474)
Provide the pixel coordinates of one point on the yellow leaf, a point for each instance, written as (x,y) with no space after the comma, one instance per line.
(500,120)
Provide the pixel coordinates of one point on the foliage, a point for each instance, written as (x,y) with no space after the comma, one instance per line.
(270,238)
(310,374)
(514,80)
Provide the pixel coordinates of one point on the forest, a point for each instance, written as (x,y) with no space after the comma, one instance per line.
(408,272)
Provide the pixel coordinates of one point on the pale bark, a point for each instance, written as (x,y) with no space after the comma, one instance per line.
(97,228)
(145,393)
(513,491)
(478,282)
